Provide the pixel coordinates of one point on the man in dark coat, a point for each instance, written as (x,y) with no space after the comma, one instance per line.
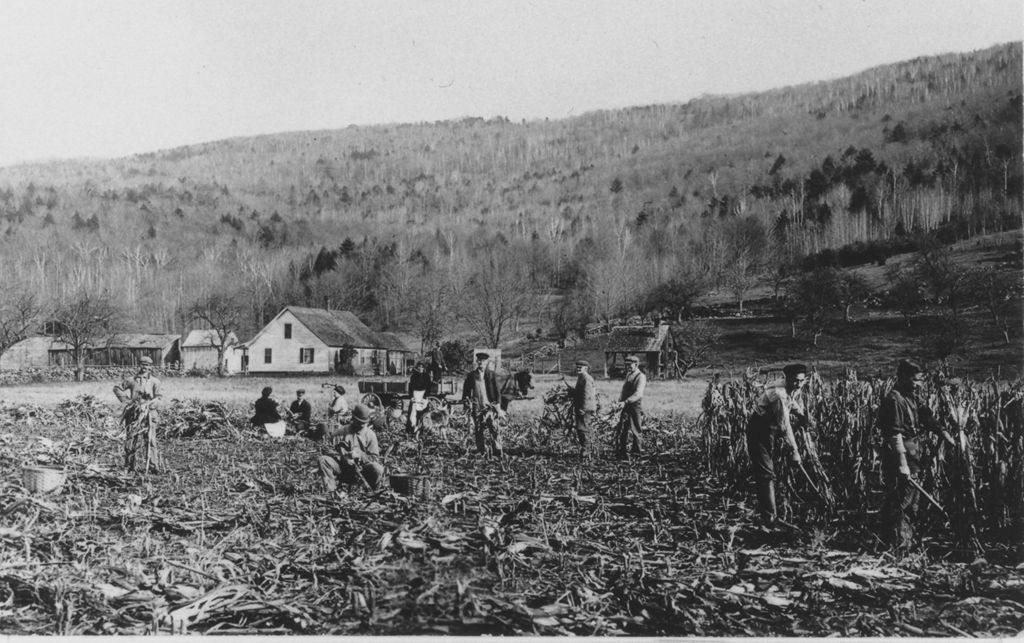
(266,408)
(301,411)
(584,401)
(481,397)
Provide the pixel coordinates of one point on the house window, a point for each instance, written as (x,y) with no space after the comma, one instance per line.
(287,331)
(305,356)
(268,355)
(362,358)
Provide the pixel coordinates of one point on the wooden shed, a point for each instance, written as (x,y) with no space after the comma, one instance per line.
(199,351)
(398,353)
(653,344)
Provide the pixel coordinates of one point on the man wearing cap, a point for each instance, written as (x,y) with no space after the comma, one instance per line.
(436,368)
(774,412)
(479,394)
(584,401)
(351,454)
(419,384)
(631,402)
(141,395)
(903,420)
(301,410)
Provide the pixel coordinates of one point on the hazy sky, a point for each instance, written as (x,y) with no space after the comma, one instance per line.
(113,77)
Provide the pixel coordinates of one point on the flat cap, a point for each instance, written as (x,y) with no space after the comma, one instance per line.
(146,361)
(792,370)
(582,362)
(908,368)
(632,359)
(483,356)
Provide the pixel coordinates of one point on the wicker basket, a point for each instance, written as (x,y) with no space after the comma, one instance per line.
(412,485)
(42,479)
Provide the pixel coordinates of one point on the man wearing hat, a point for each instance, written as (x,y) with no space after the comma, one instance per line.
(631,401)
(419,384)
(351,454)
(301,410)
(903,420)
(584,401)
(479,393)
(141,395)
(773,413)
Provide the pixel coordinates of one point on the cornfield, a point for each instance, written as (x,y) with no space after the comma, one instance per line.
(979,483)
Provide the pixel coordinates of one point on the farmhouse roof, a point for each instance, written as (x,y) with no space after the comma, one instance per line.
(205,339)
(338,327)
(395,343)
(129,340)
(629,339)
(38,342)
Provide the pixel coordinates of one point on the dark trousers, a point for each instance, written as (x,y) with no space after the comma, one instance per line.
(485,431)
(583,419)
(761,449)
(629,430)
(901,497)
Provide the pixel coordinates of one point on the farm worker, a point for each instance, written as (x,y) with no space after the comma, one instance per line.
(141,395)
(351,453)
(419,384)
(773,413)
(338,405)
(902,420)
(301,410)
(480,395)
(631,403)
(436,368)
(584,401)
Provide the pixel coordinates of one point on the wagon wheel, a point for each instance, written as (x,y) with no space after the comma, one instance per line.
(371,400)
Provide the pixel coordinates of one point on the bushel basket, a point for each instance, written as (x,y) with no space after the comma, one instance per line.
(42,479)
(412,485)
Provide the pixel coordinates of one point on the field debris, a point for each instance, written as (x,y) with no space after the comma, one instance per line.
(237,537)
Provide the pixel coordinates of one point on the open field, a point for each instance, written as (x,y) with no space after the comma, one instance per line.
(240,392)
(236,537)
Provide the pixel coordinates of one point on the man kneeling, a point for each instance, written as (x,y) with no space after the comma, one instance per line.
(351,454)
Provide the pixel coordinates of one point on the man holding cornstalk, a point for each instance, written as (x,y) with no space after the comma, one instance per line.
(631,404)
(481,399)
(140,395)
(774,413)
(584,402)
(902,420)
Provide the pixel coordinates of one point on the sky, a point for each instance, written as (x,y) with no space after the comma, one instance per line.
(108,78)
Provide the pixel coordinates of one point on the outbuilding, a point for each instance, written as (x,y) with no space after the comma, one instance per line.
(199,352)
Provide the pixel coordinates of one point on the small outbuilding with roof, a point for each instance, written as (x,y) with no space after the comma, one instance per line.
(654,345)
(200,348)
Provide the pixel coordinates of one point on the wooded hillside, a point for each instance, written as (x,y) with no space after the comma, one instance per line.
(611,212)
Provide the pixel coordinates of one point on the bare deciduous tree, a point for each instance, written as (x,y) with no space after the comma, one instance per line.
(84,322)
(223,312)
(20,314)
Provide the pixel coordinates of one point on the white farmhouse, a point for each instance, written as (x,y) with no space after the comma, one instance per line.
(314,340)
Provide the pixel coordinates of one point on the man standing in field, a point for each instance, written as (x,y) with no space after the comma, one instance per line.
(419,384)
(773,413)
(902,420)
(481,397)
(141,395)
(436,368)
(351,454)
(631,403)
(584,402)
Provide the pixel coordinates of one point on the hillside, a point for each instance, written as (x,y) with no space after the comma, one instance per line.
(599,209)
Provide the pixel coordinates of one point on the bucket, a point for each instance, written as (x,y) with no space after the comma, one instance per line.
(412,485)
(276,429)
(42,479)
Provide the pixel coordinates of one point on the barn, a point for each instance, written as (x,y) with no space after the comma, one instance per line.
(123,349)
(199,352)
(31,352)
(316,340)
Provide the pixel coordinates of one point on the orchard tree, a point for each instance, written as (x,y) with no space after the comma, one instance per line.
(86,322)
(851,289)
(695,341)
(20,314)
(811,298)
(1000,294)
(495,293)
(223,311)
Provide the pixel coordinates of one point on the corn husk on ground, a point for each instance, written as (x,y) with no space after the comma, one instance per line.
(238,538)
